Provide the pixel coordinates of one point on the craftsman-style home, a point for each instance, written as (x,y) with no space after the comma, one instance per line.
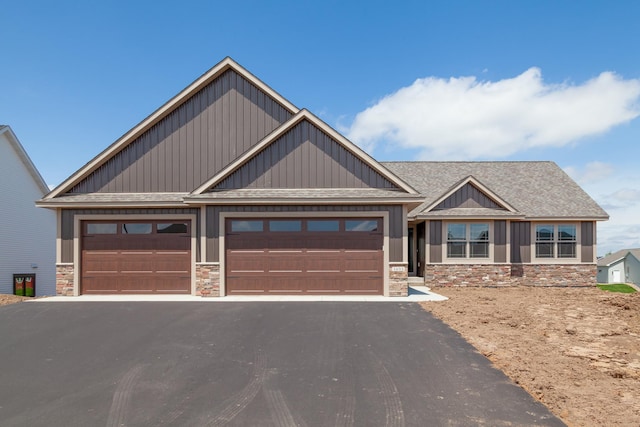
(230,189)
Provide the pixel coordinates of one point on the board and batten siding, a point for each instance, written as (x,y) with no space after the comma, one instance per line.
(500,241)
(587,241)
(28,243)
(435,241)
(521,242)
(305,157)
(67,219)
(396,225)
(468,196)
(194,142)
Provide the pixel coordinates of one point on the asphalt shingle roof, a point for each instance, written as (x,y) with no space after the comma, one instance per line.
(618,255)
(534,189)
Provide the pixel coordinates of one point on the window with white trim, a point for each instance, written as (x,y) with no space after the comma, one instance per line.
(467,240)
(556,241)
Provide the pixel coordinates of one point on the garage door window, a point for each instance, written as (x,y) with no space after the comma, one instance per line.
(244,226)
(359,225)
(286,225)
(136,228)
(173,228)
(323,225)
(102,228)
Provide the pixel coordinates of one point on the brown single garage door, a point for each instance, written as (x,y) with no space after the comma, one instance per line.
(304,256)
(136,257)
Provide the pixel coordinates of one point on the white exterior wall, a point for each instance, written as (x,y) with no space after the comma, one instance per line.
(27,233)
(619,266)
(632,269)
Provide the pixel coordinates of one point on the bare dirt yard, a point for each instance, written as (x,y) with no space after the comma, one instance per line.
(577,350)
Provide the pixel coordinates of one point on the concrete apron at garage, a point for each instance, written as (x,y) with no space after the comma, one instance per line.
(416,294)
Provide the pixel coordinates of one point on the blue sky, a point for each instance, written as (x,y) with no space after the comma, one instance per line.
(423,80)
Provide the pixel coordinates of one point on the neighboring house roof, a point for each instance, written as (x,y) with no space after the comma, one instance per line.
(24,157)
(536,190)
(613,258)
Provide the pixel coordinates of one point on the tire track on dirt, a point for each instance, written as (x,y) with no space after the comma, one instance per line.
(122,397)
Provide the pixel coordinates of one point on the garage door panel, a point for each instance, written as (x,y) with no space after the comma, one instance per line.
(239,241)
(243,261)
(286,262)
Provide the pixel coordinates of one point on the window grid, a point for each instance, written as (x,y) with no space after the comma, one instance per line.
(468,240)
(556,241)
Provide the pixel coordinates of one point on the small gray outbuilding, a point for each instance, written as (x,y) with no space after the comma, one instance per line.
(622,266)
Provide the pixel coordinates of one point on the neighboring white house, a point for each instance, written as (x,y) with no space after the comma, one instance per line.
(622,266)
(27,233)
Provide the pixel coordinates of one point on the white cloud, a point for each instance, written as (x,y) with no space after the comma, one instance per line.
(591,172)
(613,188)
(464,118)
(626,195)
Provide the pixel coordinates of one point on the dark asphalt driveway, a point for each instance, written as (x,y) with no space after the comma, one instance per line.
(247,364)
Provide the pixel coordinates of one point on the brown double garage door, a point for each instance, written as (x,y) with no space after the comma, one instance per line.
(136,257)
(304,256)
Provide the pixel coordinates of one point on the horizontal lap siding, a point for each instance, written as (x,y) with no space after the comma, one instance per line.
(305,157)
(396,225)
(193,143)
(67,219)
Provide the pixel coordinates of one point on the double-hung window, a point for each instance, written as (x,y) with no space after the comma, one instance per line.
(556,241)
(467,240)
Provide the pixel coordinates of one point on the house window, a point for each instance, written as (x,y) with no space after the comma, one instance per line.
(468,240)
(556,241)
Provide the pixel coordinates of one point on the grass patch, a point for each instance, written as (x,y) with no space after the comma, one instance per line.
(617,287)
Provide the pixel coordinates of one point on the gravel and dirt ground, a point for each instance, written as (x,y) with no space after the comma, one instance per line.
(577,350)
(10,299)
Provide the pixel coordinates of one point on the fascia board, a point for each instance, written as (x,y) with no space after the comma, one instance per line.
(162,112)
(471,180)
(297,201)
(465,218)
(24,158)
(269,139)
(52,204)
(567,218)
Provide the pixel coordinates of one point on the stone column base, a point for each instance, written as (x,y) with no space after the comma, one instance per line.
(398,279)
(64,280)
(208,279)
